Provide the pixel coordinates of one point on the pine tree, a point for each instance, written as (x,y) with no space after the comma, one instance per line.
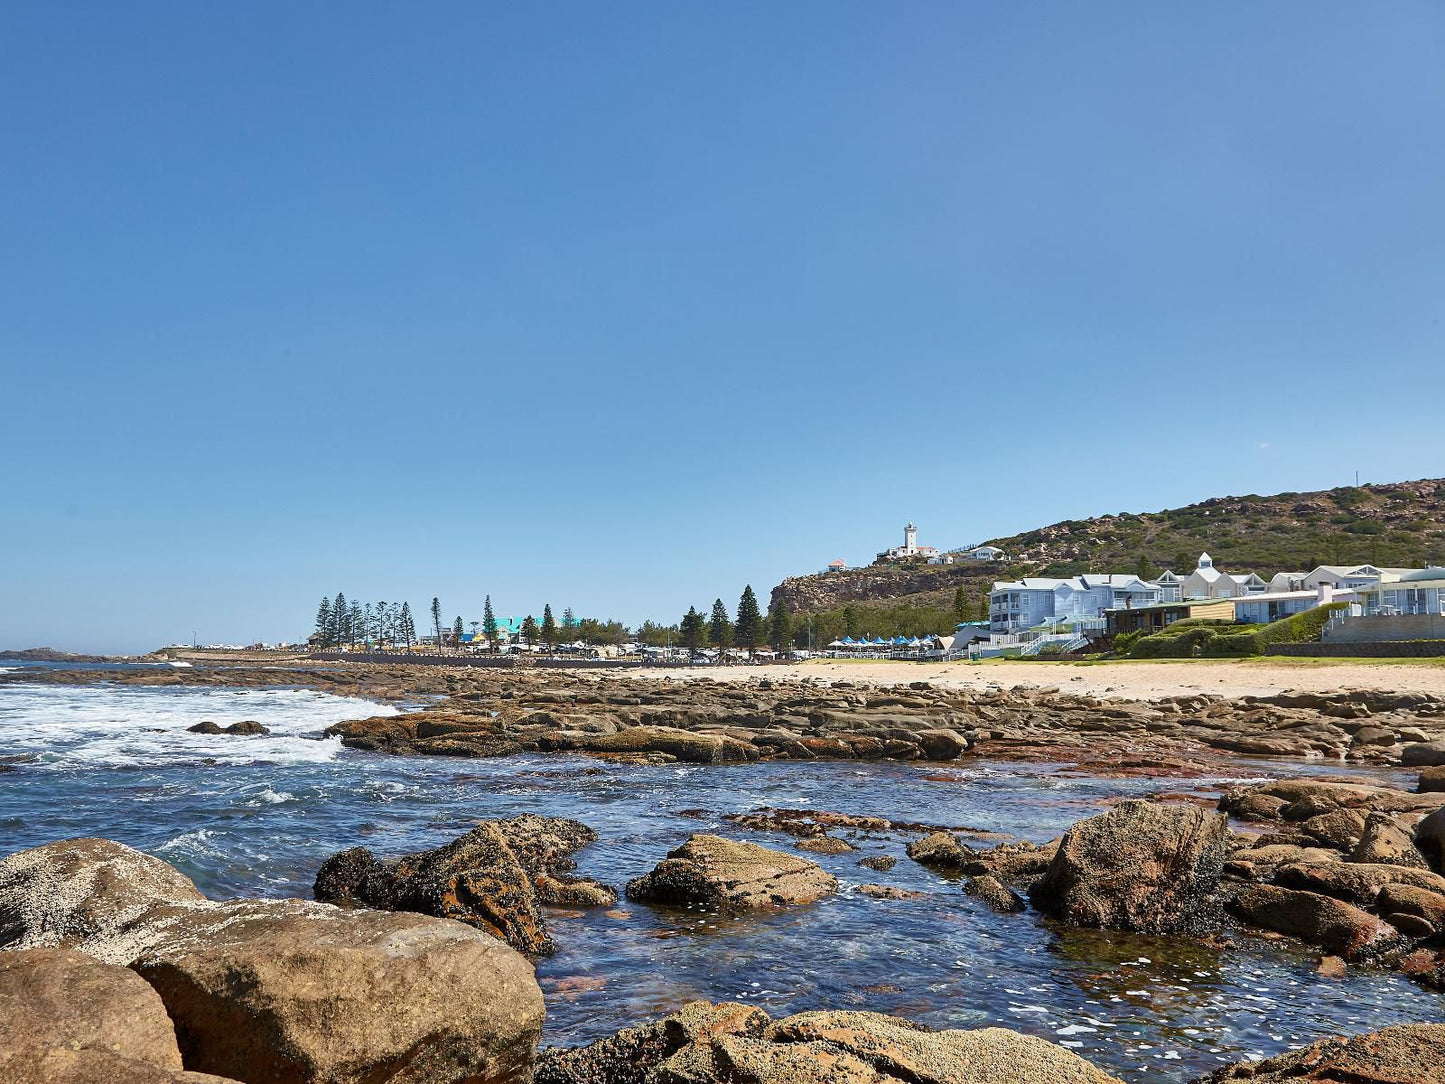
(1142,568)
(780,627)
(720,629)
(983,603)
(529,631)
(457,633)
(323,622)
(850,621)
(380,626)
(549,627)
(750,629)
(340,613)
(960,604)
(489,624)
(406,628)
(694,631)
(436,620)
(355,627)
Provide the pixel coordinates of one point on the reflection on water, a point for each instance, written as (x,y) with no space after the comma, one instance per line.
(249,816)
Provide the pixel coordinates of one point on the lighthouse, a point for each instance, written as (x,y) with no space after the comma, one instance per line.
(910,539)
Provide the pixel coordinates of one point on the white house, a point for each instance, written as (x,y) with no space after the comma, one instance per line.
(1034,600)
(1416,591)
(1171,586)
(1206,581)
(1354,577)
(1267,606)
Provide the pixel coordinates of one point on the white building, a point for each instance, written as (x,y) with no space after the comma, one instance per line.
(1034,600)
(910,548)
(1206,581)
(1267,606)
(1355,577)
(1415,591)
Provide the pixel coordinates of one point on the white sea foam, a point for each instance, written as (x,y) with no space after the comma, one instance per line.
(107,726)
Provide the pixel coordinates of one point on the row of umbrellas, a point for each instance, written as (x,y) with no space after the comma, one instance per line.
(879,641)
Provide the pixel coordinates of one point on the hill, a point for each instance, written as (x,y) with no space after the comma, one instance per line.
(1392,524)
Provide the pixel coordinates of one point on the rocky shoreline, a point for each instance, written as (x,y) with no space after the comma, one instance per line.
(115,967)
(475,713)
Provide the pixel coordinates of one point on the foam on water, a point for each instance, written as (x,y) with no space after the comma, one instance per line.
(135,727)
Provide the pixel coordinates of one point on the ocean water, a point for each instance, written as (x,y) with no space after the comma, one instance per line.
(257,815)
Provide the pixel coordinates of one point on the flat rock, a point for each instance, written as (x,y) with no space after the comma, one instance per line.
(1406,1054)
(1142,866)
(942,851)
(995,893)
(1423,754)
(289,990)
(735,1044)
(718,872)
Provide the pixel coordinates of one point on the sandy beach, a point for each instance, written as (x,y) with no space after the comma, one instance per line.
(1119,680)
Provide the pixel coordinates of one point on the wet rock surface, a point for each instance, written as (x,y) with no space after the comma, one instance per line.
(496,877)
(712,871)
(1142,866)
(1408,1054)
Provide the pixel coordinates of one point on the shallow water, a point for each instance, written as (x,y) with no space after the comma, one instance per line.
(257,816)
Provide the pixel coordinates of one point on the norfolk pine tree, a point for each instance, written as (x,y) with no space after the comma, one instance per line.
(457,633)
(750,629)
(529,631)
(489,625)
(549,627)
(693,631)
(436,620)
(323,621)
(780,628)
(720,629)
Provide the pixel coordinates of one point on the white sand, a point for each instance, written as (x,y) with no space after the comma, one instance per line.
(1122,680)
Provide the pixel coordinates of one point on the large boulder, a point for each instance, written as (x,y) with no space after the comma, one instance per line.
(59,998)
(288,990)
(718,872)
(1386,842)
(1142,866)
(942,851)
(493,878)
(1339,928)
(90,894)
(1405,1054)
(732,1044)
(1423,754)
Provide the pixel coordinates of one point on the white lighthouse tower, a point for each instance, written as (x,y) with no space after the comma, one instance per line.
(910,540)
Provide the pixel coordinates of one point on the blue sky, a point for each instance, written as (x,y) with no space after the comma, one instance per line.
(623,306)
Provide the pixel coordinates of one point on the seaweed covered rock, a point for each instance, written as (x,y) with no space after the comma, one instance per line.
(717,872)
(1338,927)
(1142,866)
(942,851)
(494,878)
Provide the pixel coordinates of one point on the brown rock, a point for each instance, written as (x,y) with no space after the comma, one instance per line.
(288,990)
(1432,780)
(1428,908)
(1141,866)
(1385,842)
(1335,926)
(59,1065)
(1430,839)
(942,851)
(880,862)
(1407,1054)
(889,892)
(720,872)
(55,997)
(493,878)
(995,893)
(825,845)
(1331,967)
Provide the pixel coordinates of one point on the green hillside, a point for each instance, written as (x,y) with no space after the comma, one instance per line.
(1392,524)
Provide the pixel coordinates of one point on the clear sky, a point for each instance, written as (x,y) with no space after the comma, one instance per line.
(622,306)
